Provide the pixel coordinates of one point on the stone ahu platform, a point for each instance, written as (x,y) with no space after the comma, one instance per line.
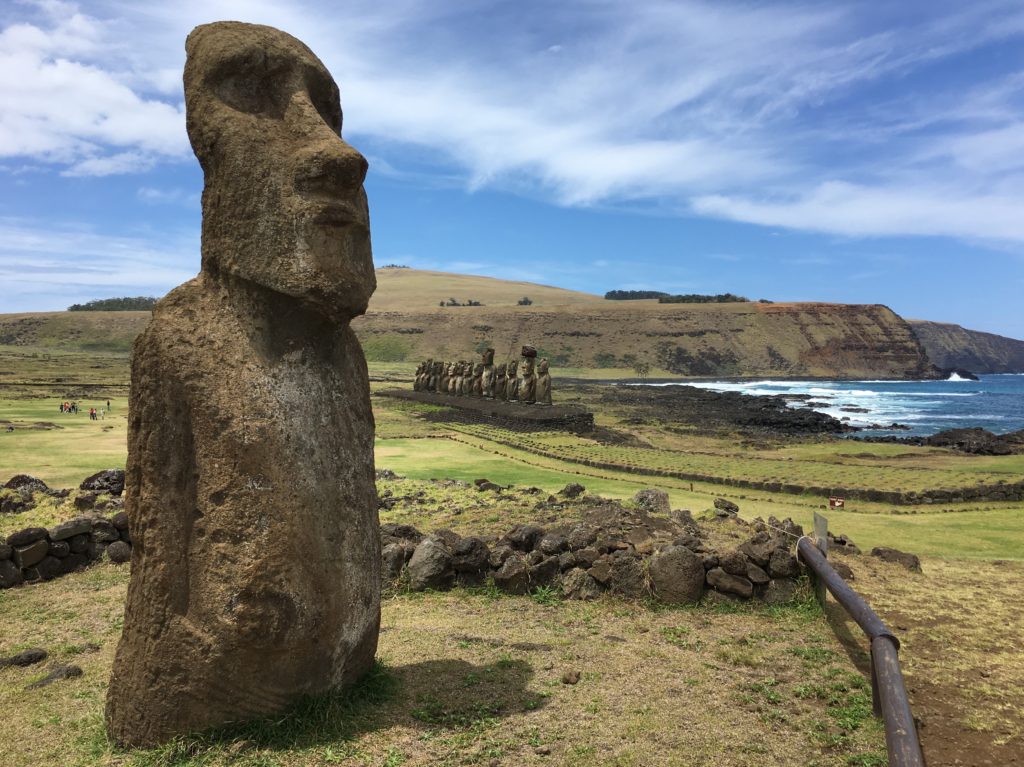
(509,414)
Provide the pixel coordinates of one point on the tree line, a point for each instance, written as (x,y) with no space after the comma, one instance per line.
(667,298)
(122,304)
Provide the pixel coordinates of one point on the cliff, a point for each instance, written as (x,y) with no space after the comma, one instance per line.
(951,346)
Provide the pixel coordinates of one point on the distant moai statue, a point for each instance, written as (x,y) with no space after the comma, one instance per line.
(478,380)
(422,375)
(453,379)
(417,378)
(249,427)
(500,381)
(460,379)
(487,382)
(512,387)
(543,383)
(445,376)
(528,386)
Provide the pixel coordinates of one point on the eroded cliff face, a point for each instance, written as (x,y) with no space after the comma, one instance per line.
(952,346)
(742,339)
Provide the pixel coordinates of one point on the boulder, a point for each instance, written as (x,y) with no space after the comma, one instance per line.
(886,554)
(601,570)
(572,490)
(26,536)
(25,658)
(392,560)
(587,557)
(677,575)
(56,674)
(653,500)
(581,536)
(79,544)
(513,577)
(578,584)
(733,562)
(404,532)
(759,549)
(71,528)
(73,562)
(48,568)
(726,506)
(470,555)
(119,520)
(107,481)
(553,545)
(430,566)
(566,561)
(32,554)
(6,552)
(544,572)
(783,564)
(85,501)
(10,574)
(780,591)
(59,549)
(756,575)
(525,537)
(13,503)
(501,551)
(103,531)
(26,483)
(728,583)
(119,552)
(843,569)
(628,578)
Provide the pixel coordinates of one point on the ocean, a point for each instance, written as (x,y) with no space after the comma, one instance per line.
(996,402)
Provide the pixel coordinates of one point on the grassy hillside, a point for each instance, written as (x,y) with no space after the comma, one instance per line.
(951,346)
(573,330)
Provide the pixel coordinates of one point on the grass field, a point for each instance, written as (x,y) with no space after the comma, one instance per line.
(474,678)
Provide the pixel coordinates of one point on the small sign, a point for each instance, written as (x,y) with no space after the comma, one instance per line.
(835,502)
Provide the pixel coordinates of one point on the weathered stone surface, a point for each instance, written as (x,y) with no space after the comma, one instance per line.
(6,552)
(726,506)
(30,555)
(677,575)
(844,570)
(73,562)
(728,583)
(85,501)
(552,545)
(58,673)
(393,558)
(566,560)
(10,574)
(783,564)
(107,481)
(544,572)
(119,552)
(514,575)
(759,549)
(59,549)
(756,575)
(48,567)
(572,490)
(779,591)
(653,500)
(586,557)
(525,537)
(119,520)
(909,561)
(628,578)
(71,528)
(24,658)
(103,531)
(79,544)
(26,482)
(26,536)
(430,566)
(601,571)
(581,536)
(578,584)
(471,555)
(733,563)
(249,418)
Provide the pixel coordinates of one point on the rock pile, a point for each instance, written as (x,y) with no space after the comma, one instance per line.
(624,551)
(38,554)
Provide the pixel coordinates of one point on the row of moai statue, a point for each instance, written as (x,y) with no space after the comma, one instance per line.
(483,379)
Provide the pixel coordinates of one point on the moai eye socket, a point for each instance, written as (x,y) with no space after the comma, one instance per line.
(323,93)
(253,85)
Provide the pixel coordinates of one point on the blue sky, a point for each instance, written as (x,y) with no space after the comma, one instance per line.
(854,152)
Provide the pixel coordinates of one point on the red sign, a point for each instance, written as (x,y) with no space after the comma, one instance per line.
(835,502)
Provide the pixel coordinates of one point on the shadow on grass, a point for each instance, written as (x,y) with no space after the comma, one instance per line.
(432,695)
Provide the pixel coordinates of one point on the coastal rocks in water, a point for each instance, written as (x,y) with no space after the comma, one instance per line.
(976,442)
(886,554)
(249,419)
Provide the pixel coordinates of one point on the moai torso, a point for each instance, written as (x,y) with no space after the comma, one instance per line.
(500,380)
(512,386)
(543,383)
(528,387)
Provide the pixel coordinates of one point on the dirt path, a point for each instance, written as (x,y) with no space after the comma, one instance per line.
(961,625)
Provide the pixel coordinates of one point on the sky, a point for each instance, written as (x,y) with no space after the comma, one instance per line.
(861,152)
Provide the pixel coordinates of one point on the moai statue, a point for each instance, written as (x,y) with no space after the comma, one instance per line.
(453,377)
(487,382)
(500,380)
(435,379)
(255,577)
(478,380)
(512,386)
(528,387)
(543,383)
(466,382)
(457,384)
(416,377)
(446,372)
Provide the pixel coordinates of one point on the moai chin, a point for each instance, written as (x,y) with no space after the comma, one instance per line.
(250,480)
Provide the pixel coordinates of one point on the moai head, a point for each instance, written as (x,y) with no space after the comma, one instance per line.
(479,369)
(513,368)
(488,357)
(542,366)
(283,204)
(528,366)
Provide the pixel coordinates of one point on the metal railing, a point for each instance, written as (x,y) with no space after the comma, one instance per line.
(889,695)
